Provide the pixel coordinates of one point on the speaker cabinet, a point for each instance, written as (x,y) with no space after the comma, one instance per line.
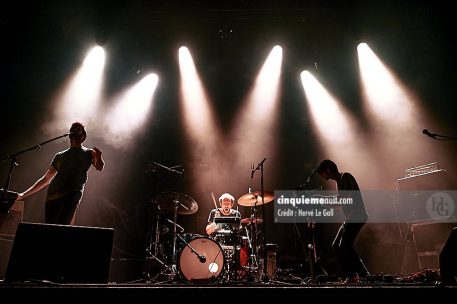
(60,254)
(448,260)
(9,221)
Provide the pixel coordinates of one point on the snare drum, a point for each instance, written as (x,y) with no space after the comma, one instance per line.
(225,237)
(204,262)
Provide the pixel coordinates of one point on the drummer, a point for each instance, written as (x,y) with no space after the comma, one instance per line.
(226,202)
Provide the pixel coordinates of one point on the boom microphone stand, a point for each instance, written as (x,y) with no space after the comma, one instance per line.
(14,162)
(262,193)
(438,136)
(153,253)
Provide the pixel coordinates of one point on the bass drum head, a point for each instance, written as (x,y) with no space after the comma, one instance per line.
(204,270)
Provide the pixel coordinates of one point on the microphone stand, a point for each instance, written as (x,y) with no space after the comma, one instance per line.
(262,193)
(311,247)
(14,162)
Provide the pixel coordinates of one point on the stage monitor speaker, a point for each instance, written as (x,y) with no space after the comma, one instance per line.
(448,260)
(60,254)
(8,225)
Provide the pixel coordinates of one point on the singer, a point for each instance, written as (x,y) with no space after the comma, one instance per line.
(66,177)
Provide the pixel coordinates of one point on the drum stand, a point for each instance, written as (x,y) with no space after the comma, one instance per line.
(258,263)
(233,259)
(170,271)
(252,256)
(151,253)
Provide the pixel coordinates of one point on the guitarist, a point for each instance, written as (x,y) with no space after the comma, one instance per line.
(356,217)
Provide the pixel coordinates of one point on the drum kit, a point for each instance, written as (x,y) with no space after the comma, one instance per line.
(229,255)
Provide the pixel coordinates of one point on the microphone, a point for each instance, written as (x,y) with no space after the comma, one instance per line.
(426,132)
(202,258)
(258,166)
(69,134)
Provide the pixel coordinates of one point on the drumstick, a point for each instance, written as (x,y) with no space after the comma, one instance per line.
(215,205)
(214,199)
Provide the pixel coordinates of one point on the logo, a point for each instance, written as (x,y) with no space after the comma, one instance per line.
(440,206)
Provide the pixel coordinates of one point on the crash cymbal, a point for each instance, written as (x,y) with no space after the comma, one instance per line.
(168,200)
(254,198)
(249,220)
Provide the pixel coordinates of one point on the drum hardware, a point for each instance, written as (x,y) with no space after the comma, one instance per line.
(255,198)
(252,199)
(153,254)
(252,258)
(211,260)
(223,231)
(252,220)
(177,203)
(201,257)
(232,251)
(241,258)
(227,220)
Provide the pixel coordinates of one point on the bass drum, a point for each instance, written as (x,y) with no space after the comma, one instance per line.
(205,264)
(166,248)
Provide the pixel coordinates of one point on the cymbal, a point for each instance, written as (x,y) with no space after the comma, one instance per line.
(249,220)
(254,198)
(167,201)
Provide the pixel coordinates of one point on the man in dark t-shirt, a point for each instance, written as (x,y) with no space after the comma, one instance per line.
(226,202)
(66,177)
(356,217)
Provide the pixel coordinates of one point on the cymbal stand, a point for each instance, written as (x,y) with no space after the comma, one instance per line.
(254,233)
(174,269)
(152,254)
(170,271)
(252,258)
(236,256)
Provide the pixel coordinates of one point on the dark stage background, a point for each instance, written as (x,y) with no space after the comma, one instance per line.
(43,43)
